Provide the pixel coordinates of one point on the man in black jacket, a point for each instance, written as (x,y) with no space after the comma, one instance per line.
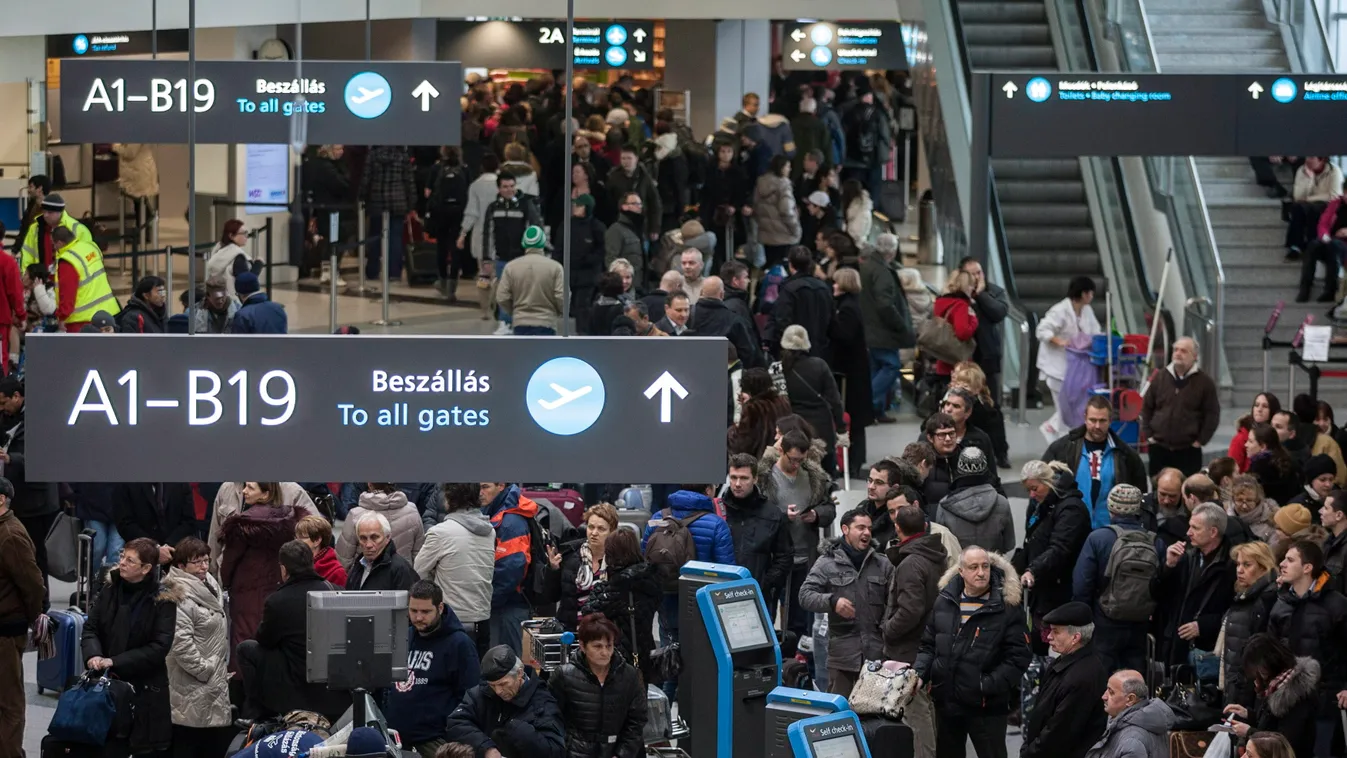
(974,666)
(884,475)
(160,511)
(379,566)
(587,240)
(504,222)
(760,530)
(992,306)
(272,665)
(1195,586)
(735,276)
(803,299)
(1068,715)
(711,317)
(35,503)
(1099,458)
(509,714)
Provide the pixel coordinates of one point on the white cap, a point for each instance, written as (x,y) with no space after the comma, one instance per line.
(819,198)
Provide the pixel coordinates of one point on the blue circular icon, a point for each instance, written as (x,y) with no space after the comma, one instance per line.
(821,56)
(368,95)
(616,34)
(565,396)
(821,34)
(615,56)
(1038,89)
(1284,90)
(81,44)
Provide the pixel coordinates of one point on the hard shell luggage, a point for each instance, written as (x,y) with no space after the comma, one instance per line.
(421,256)
(887,738)
(54,748)
(570,502)
(56,673)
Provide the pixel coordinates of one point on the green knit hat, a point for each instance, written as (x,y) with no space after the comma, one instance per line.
(535,238)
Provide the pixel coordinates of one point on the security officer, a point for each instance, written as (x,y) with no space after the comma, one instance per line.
(38,246)
(82,287)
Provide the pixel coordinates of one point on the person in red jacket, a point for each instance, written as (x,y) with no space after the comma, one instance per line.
(956,307)
(13,311)
(316,532)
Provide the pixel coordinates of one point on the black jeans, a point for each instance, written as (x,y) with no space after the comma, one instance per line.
(250,671)
(1302,220)
(1185,459)
(1331,253)
(953,732)
(1121,646)
(189,742)
(799,620)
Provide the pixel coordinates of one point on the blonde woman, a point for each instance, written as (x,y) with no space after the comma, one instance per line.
(956,307)
(1252,507)
(986,415)
(1255,594)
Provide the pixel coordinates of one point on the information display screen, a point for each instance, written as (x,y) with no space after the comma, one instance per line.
(837,747)
(743,624)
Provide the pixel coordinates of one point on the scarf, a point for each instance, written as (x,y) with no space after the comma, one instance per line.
(585,578)
(1278,681)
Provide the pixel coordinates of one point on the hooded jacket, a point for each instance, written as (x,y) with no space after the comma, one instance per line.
(1141,731)
(529,725)
(602,720)
(441,667)
(139,317)
(774,208)
(978,515)
(804,536)
(229,500)
(918,564)
(459,555)
(1052,545)
(762,538)
(401,515)
(198,678)
(710,533)
(851,642)
(974,668)
(1068,714)
(249,571)
(389,571)
(1292,709)
(509,513)
(1314,625)
(1248,615)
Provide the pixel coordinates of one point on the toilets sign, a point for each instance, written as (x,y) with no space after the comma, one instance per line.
(258,102)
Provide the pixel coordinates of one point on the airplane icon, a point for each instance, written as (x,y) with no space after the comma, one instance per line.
(366,95)
(565,396)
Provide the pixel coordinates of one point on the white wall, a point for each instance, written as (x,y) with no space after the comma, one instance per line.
(690,64)
(743,63)
(21,59)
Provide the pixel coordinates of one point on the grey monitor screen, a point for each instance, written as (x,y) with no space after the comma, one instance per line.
(327,628)
(837,747)
(743,624)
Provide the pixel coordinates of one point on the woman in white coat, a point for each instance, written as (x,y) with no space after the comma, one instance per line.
(859,209)
(229,258)
(198,677)
(1060,324)
(408,532)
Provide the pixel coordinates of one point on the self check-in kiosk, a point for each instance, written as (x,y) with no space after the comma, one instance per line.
(731,660)
(787,705)
(837,735)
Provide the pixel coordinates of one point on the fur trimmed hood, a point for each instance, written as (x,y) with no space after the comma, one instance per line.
(1303,683)
(1009,580)
(819,480)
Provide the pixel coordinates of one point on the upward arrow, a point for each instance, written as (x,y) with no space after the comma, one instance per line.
(639,34)
(425,90)
(1255,89)
(1010,89)
(666,386)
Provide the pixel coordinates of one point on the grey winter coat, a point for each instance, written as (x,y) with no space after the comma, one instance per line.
(851,642)
(978,515)
(774,208)
(198,677)
(401,515)
(459,555)
(1141,731)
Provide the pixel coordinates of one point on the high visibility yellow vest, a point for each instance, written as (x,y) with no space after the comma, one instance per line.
(95,292)
(31,252)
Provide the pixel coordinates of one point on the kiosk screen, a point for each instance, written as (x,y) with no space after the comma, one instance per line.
(837,747)
(742,620)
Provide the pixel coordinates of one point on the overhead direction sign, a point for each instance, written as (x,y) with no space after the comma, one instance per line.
(825,44)
(1049,114)
(125,408)
(614,44)
(256,102)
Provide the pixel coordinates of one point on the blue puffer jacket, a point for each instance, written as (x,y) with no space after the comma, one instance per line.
(258,315)
(710,532)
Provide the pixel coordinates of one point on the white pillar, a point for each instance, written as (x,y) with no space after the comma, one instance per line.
(743,63)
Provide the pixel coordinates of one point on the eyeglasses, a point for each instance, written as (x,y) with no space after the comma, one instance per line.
(129,561)
(200,561)
(944,435)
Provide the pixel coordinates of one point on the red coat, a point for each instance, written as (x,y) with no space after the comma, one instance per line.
(957,309)
(12,308)
(329,567)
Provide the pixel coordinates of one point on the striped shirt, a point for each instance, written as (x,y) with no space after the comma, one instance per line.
(970,605)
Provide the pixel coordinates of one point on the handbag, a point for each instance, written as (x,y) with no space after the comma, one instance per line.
(883,691)
(666,663)
(85,712)
(936,339)
(62,543)
(1189,744)
(1206,664)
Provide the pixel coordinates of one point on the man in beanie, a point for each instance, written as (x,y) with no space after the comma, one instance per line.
(258,314)
(973,510)
(1113,576)
(38,246)
(530,290)
(1320,474)
(510,714)
(1068,715)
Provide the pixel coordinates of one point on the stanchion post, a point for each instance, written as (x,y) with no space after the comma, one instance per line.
(333,221)
(1266,368)
(1291,378)
(214,229)
(168,272)
(267,254)
(154,240)
(383,270)
(362,231)
(1022,411)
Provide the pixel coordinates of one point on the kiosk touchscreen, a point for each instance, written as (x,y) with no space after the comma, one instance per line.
(836,735)
(787,705)
(748,667)
(699,659)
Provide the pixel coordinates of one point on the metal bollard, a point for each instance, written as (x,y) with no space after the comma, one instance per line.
(383,272)
(1266,369)
(335,260)
(362,230)
(1291,380)
(168,269)
(154,245)
(928,248)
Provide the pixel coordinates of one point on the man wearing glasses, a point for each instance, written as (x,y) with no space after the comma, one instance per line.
(949,436)
(144,312)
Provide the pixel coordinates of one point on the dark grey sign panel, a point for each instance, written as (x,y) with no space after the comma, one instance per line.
(1067,115)
(349,102)
(824,45)
(541,44)
(96,44)
(123,408)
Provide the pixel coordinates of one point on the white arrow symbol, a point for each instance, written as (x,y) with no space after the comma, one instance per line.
(1255,89)
(425,90)
(666,385)
(797,35)
(638,56)
(1010,89)
(639,34)
(796,55)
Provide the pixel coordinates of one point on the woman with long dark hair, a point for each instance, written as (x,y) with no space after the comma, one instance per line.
(630,596)
(1274,467)
(761,407)
(1265,406)
(1287,688)
(446,205)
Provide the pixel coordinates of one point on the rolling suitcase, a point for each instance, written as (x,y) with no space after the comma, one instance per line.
(421,256)
(56,673)
(568,501)
(887,738)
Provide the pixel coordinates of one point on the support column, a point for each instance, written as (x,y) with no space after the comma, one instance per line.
(743,63)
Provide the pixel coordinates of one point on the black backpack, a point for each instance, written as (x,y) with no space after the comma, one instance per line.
(862,137)
(450,192)
(540,584)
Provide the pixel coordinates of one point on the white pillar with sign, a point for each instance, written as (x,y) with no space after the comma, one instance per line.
(743,63)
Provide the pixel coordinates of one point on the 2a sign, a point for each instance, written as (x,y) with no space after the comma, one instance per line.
(551,35)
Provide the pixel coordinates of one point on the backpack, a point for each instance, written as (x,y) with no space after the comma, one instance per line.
(671,545)
(540,587)
(449,191)
(1131,565)
(862,139)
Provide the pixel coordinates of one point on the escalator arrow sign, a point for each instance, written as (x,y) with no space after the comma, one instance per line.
(1255,89)
(1010,89)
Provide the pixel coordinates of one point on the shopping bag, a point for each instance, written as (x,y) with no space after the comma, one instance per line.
(85,712)
(63,552)
(937,339)
(883,690)
(1220,746)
